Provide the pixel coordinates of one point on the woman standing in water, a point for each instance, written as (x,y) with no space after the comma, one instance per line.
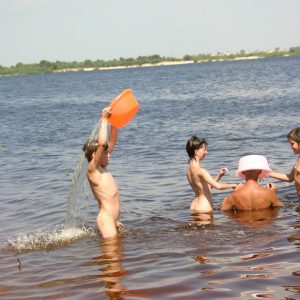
(201,181)
(294,175)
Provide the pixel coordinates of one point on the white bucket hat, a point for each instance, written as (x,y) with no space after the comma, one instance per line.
(253,162)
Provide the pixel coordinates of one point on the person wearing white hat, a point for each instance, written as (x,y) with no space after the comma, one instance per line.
(251,195)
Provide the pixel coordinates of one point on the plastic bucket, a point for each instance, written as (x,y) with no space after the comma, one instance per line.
(124,107)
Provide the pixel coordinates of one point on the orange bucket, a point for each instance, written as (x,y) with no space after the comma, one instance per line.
(124,108)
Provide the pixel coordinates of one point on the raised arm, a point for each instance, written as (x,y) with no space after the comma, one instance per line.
(102,136)
(113,137)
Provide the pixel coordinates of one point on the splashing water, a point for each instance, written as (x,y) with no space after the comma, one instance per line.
(47,240)
(80,194)
(77,212)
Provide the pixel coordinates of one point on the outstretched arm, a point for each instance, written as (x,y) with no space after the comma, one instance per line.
(284,177)
(213,183)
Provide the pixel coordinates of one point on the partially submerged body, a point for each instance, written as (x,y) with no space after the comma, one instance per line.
(251,196)
(107,196)
(201,181)
(103,185)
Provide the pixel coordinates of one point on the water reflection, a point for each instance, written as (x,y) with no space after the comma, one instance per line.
(296,237)
(254,218)
(201,219)
(111,267)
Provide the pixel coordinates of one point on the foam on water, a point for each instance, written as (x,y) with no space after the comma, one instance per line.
(46,240)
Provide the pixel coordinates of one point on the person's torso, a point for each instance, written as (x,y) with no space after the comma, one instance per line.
(200,187)
(105,190)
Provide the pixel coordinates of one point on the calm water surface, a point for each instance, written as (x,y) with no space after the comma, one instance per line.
(50,246)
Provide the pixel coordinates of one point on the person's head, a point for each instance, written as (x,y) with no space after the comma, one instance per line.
(294,139)
(252,174)
(194,145)
(253,166)
(90,147)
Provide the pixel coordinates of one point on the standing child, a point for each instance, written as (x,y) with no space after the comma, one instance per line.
(200,180)
(294,175)
(103,185)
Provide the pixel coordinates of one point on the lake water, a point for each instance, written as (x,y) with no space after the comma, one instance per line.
(50,246)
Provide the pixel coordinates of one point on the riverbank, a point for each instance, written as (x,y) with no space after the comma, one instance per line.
(163,63)
(140,62)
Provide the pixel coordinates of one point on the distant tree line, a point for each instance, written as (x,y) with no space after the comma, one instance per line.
(45,66)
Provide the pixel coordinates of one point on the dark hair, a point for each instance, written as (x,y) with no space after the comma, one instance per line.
(90,146)
(294,135)
(193,144)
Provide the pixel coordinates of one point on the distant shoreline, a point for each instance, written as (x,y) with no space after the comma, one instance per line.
(163,63)
(141,62)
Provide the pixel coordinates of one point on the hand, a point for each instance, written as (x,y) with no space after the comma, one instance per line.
(106,112)
(119,226)
(234,186)
(223,171)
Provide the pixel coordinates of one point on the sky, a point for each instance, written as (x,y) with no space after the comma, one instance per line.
(76,30)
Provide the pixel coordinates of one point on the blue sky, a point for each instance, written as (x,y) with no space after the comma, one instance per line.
(75,30)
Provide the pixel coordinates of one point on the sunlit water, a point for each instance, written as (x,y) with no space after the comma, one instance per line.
(50,245)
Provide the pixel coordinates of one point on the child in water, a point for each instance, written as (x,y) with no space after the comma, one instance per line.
(200,180)
(294,175)
(103,185)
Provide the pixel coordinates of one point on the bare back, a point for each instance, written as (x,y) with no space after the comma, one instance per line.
(105,190)
(251,196)
(202,202)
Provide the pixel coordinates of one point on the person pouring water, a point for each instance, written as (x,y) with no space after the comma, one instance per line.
(102,183)
(98,151)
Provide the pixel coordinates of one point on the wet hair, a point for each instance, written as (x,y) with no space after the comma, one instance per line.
(193,144)
(89,147)
(294,135)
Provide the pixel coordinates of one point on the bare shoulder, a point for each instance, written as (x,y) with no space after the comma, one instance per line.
(202,171)
(194,168)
